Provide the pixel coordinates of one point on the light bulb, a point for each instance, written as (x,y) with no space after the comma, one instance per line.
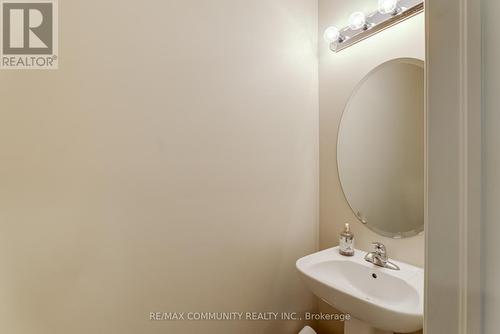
(387,6)
(331,35)
(357,20)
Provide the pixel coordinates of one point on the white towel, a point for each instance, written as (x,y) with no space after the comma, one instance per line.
(307,330)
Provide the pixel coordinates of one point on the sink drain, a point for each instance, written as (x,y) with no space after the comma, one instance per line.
(374,275)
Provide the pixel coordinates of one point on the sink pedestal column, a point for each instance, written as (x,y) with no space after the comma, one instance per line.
(355,326)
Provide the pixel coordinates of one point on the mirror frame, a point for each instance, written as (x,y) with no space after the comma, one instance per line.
(399,235)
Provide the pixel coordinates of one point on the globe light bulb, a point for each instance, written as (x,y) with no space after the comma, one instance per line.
(357,20)
(387,6)
(331,35)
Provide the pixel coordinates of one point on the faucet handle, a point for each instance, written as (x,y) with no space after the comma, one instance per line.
(380,248)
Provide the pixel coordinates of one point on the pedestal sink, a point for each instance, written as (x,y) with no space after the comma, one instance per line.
(379,300)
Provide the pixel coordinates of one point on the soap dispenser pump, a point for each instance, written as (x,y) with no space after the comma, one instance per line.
(346,241)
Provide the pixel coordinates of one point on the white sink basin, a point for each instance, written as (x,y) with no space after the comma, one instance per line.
(385,299)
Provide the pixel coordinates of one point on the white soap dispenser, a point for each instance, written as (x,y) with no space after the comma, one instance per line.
(346,241)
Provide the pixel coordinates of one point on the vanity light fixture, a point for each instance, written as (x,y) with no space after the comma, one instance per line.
(361,26)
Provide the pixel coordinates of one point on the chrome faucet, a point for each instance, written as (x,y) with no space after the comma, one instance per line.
(379,257)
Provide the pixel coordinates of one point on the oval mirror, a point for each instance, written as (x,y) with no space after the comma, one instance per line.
(380,151)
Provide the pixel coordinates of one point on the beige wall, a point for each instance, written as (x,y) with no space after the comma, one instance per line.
(491,156)
(169,165)
(339,74)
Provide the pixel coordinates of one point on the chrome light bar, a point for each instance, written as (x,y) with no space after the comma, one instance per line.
(376,22)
